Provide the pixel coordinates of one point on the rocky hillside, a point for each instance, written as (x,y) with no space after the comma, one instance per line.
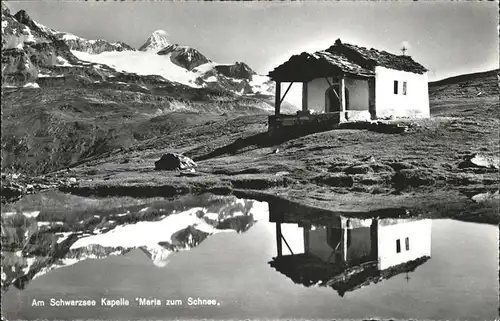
(58,109)
(60,124)
(184,56)
(239,70)
(481,84)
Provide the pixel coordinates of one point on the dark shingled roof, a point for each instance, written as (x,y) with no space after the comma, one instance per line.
(306,66)
(310,271)
(342,58)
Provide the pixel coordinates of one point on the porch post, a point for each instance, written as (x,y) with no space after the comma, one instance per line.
(374,239)
(304,96)
(344,244)
(342,98)
(277,100)
(278,239)
(371,98)
(306,238)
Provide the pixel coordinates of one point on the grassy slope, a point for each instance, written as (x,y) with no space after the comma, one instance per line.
(418,169)
(54,127)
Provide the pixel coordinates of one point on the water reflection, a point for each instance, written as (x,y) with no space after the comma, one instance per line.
(347,253)
(219,247)
(35,244)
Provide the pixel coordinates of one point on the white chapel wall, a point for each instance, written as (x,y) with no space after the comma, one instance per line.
(419,235)
(415,104)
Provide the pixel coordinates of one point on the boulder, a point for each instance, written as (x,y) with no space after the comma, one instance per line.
(173,161)
(358,169)
(369,159)
(484,197)
(480,161)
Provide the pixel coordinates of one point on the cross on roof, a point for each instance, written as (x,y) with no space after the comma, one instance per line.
(404,49)
(407,277)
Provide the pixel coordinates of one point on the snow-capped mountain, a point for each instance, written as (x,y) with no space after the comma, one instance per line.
(184,65)
(157,41)
(31,50)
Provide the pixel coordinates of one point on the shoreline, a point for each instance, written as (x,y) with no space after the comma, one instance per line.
(430,203)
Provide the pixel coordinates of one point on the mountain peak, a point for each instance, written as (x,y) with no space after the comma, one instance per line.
(23,17)
(157,41)
(160,33)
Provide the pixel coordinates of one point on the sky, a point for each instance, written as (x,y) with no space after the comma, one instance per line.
(448,38)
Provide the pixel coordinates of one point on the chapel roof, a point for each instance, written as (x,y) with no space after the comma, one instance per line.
(342,58)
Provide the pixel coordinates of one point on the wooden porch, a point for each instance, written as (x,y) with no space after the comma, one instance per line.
(305,120)
(330,72)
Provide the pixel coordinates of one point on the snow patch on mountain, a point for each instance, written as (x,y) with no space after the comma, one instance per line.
(141,63)
(33,85)
(31,213)
(262,84)
(69,36)
(30,37)
(63,62)
(5,23)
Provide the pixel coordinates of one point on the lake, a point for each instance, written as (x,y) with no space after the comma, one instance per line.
(457,280)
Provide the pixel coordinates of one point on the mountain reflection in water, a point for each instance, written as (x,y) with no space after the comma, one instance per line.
(33,246)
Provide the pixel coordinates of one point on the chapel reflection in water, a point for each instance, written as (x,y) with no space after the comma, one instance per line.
(347,253)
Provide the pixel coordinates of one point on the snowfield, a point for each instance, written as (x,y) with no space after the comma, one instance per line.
(142,63)
(63,62)
(70,36)
(150,63)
